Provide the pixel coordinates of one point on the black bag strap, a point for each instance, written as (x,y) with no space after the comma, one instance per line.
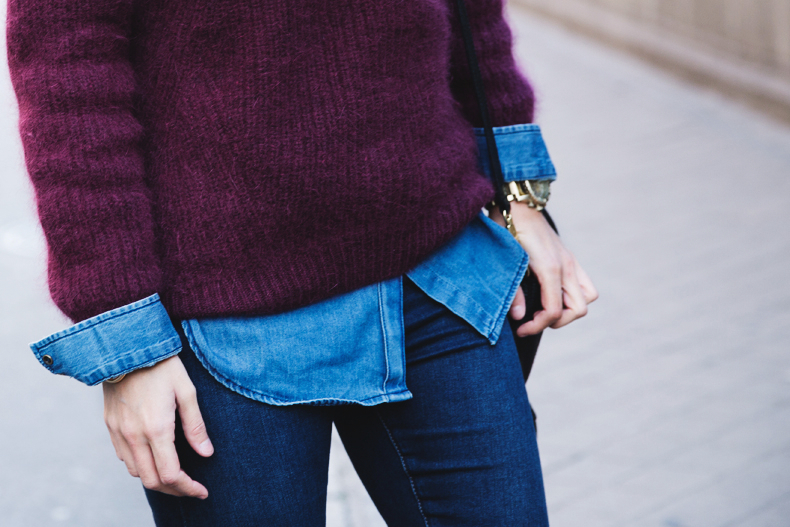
(493,153)
(477,80)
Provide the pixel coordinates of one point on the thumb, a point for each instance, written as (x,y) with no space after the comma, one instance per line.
(192,422)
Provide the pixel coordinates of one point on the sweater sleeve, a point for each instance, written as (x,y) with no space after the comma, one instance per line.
(75,85)
(510,97)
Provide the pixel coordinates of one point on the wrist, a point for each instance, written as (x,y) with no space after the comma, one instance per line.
(526,212)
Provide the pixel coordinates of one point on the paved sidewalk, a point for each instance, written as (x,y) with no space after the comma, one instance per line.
(669,406)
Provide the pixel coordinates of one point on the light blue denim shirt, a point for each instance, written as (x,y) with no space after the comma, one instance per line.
(347,349)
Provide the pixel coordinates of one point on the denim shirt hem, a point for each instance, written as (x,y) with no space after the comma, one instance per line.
(399,394)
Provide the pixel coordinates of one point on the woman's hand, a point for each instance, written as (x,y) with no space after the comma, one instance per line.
(140,414)
(565,289)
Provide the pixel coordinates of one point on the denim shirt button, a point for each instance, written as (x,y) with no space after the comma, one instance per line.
(46,359)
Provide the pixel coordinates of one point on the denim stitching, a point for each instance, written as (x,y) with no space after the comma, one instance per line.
(527,129)
(405,469)
(494,335)
(428,267)
(402,326)
(386,346)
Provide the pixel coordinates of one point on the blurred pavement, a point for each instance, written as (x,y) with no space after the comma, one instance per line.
(668,406)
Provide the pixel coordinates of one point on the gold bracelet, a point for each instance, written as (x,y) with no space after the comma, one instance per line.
(534,193)
(115,380)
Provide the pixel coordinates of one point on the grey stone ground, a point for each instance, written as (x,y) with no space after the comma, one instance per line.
(669,406)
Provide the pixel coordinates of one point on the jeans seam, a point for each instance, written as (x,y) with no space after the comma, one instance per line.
(405,468)
(181,511)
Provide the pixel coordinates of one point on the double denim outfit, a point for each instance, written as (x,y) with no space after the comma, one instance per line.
(347,349)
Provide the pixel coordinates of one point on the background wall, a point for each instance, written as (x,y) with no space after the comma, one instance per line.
(738,47)
(754,30)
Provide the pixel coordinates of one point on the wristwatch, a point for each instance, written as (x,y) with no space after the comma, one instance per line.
(534,192)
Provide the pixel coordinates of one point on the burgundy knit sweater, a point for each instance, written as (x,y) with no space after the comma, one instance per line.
(250,156)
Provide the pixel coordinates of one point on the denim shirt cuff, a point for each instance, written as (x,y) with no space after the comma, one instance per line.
(522,153)
(112,343)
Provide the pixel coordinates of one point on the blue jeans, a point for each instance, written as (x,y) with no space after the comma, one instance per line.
(461,452)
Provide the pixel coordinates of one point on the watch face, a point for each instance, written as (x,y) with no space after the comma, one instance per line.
(540,189)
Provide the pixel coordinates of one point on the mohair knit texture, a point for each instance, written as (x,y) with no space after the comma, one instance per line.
(250,156)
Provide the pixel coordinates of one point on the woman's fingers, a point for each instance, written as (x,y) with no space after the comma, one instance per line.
(153,458)
(589,290)
(574,301)
(143,460)
(519,306)
(192,421)
(565,292)
(550,278)
(123,452)
(160,471)
(172,479)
